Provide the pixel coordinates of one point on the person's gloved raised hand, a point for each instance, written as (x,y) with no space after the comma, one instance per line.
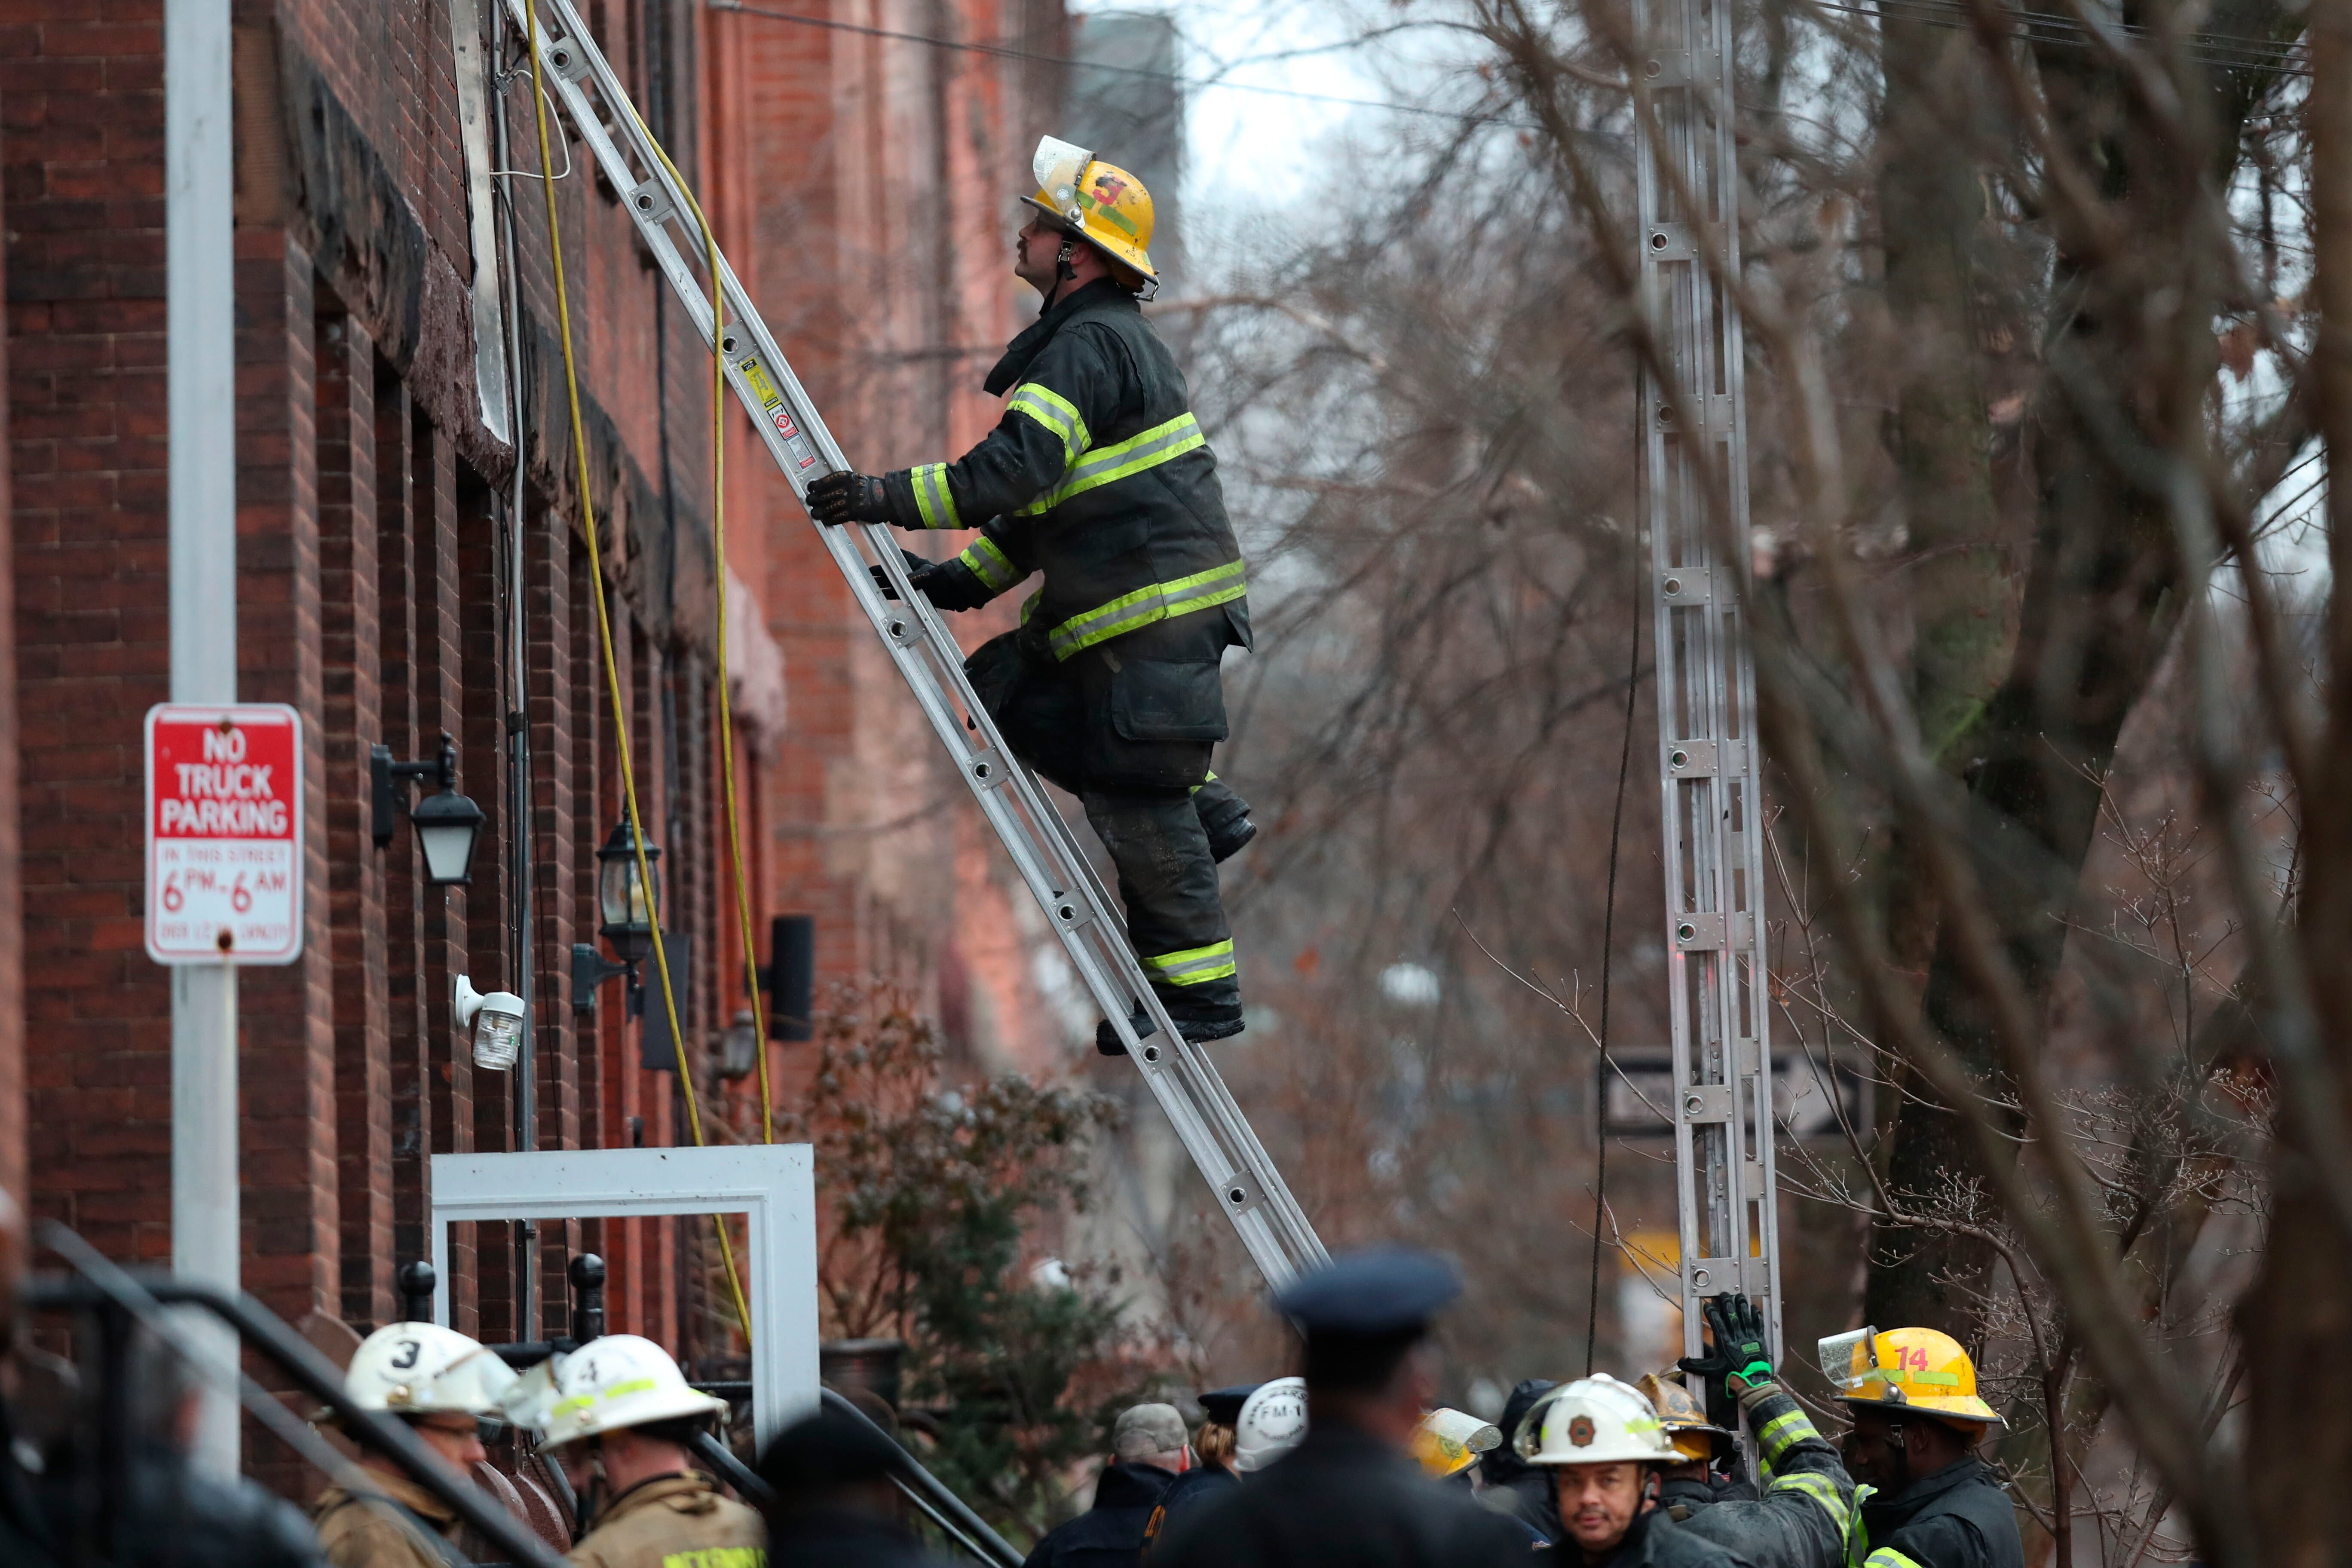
(948,584)
(1741,1349)
(844,497)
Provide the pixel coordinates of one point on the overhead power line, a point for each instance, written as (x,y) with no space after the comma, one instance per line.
(1010,52)
(2229,51)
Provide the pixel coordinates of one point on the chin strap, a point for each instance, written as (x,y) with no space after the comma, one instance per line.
(1061,268)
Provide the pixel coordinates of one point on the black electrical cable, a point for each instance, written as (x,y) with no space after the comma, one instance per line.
(1010,52)
(1608,950)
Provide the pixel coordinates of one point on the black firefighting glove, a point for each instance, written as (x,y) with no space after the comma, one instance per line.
(948,584)
(844,497)
(1741,1349)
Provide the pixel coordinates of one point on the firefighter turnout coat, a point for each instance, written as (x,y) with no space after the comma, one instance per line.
(1098,477)
(403,1526)
(1956,1517)
(1806,1509)
(674,1521)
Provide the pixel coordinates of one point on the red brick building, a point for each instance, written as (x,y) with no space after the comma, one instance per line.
(862,187)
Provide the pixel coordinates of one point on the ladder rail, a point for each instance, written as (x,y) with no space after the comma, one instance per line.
(1709,755)
(1215,1134)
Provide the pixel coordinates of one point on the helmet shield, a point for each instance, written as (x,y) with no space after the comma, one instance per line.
(1058,166)
(1844,1358)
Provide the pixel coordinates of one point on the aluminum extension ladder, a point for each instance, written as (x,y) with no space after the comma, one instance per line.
(1216,1135)
(1688,203)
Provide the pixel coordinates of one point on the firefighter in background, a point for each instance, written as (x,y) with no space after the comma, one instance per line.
(1930,1502)
(1213,1452)
(443,1386)
(1605,1454)
(1099,480)
(1806,1507)
(1350,1494)
(618,1415)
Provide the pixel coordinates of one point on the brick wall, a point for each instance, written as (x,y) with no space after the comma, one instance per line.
(864,193)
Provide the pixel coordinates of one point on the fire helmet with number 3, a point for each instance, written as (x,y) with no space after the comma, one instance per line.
(618,1381)
(1909,1369)
(1595,1420)
(423,1369)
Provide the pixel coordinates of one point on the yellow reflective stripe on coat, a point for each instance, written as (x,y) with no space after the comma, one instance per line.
(1887,1557)
(1783,1432)
(931,496)
(716,1557)
(990,565)
(1821,1489)
(1193,964)
(1108,465)
(1159,602)
(1057,413)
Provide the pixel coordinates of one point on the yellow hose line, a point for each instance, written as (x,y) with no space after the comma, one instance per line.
(612,667)
(719,554)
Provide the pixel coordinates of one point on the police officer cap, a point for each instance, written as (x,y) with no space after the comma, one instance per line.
(1379,1293)
(1224,1405)
(828,1448)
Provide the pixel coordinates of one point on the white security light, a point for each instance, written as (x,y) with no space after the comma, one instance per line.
(1411,986)
(497,1020)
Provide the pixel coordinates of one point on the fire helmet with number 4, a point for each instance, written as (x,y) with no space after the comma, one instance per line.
(1909,1369)
(620,1380)
(423,1369)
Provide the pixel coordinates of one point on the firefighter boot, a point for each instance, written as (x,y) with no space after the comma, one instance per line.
(1225,818)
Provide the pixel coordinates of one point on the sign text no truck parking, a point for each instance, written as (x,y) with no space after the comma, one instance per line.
(224,834)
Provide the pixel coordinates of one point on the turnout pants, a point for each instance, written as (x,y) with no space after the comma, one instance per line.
(1128,727)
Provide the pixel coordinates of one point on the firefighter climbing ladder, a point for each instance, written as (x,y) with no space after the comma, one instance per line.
(1210,1125)
(1695,438)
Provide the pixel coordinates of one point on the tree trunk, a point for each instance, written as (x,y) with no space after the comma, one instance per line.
(2297,1321)
(2098,611)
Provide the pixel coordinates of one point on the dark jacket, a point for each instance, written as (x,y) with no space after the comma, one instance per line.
(843,1538)
(177,1516)
(1956,1517)
(1097,476)
(1806,1507)
(1345,1499)
(1655,1541)
(1185,1493)
(1525,1497)
(1110,1533)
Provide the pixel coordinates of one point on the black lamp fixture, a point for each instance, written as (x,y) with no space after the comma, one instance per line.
(446,823)
(626,904)
(627,919)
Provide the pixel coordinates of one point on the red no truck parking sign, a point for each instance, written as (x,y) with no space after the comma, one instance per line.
(224,834)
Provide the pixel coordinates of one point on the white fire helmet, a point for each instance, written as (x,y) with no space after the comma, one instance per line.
(423,1369)
(617,1381)
(1273,1422)
(1595,1420)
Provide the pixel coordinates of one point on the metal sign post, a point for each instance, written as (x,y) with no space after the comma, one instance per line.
(1694,480)
(200,395)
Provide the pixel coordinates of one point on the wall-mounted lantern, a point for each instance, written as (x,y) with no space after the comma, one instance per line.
(446,823)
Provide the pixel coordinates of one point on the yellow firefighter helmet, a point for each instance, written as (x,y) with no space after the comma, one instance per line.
(1448,1442)
(1100,203)
(1909,1369)
(1695,1438)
